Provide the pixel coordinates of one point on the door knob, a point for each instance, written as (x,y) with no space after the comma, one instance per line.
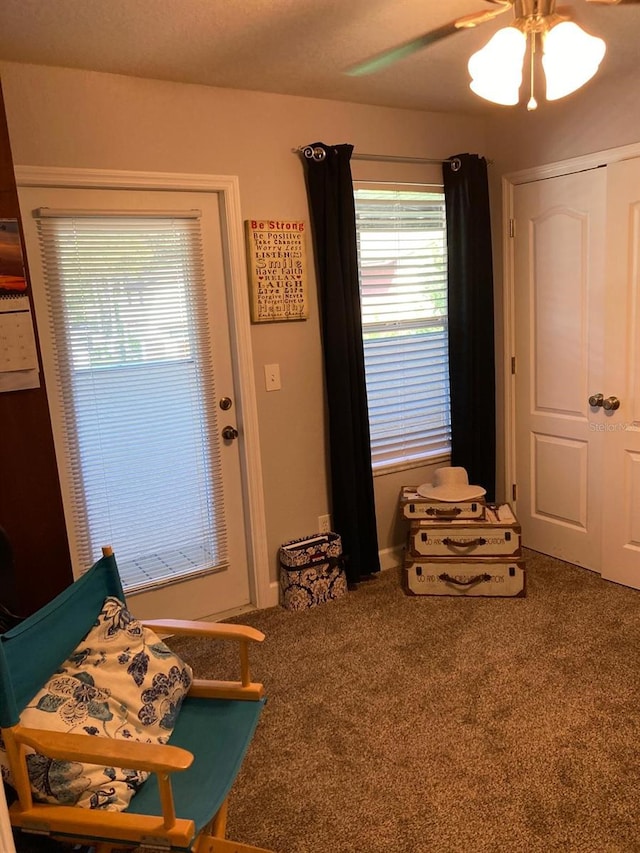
(596,400)
(611,404)
(229,433)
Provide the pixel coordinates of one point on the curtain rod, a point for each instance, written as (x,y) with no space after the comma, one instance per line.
(319,154)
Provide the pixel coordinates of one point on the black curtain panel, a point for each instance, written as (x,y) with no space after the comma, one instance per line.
(330,190)
(471,337)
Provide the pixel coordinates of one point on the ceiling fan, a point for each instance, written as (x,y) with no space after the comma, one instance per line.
(571,56)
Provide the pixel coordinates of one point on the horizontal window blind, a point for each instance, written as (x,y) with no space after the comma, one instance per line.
(135,379)
(402,256)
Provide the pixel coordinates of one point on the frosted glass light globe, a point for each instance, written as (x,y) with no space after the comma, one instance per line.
(496,69)
(571,58)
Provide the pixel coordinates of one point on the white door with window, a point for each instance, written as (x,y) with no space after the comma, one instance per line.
(577,339)
(130,289)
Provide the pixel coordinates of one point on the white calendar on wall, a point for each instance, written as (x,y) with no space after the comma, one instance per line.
(18,356)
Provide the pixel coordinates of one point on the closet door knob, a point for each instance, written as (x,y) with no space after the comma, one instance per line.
(596,400)
(611,404)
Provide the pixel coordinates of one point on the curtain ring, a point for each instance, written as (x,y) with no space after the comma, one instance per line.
(456,164)
(318,154)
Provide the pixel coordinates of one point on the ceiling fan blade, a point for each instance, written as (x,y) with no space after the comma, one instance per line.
(388,57)
(401,51)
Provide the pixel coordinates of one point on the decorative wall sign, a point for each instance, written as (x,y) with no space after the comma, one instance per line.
(277,270)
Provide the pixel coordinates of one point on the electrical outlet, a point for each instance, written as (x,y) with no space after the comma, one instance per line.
(324,523)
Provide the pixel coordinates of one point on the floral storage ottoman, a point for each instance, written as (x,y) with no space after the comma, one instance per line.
(311,571)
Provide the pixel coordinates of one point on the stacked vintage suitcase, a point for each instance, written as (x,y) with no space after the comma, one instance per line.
(462,547)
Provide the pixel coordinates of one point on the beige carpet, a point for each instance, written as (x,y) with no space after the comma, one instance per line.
(420,725)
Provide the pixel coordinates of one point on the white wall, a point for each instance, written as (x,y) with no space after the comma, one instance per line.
(604,114)
(64,117)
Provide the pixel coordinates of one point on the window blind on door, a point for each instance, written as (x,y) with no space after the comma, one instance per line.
(402,256)
(134,378)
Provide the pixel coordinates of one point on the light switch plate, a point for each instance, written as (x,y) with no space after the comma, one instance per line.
(272,377)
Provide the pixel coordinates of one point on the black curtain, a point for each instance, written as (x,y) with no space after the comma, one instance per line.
(471,338)
(330,190)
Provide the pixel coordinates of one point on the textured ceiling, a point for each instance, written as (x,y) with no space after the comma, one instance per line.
(299,47)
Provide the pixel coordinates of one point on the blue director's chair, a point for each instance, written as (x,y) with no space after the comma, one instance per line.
(182,805)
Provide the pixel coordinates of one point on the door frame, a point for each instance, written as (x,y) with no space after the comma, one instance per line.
(509,182)
(263,592)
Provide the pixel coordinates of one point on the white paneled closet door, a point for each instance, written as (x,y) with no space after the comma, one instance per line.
(621,439)
(577,330)
(559,339)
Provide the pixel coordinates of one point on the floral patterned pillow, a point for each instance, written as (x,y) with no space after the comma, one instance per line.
(121,681)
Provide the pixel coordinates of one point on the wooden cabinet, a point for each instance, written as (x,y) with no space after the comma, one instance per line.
(30,502)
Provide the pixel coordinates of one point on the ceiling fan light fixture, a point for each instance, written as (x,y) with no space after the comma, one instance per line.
(496,69)
(571,57)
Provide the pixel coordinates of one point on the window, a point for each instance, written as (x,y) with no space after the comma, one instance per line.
(402,255)
(133,369)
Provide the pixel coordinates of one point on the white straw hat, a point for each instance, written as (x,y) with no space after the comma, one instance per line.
(450,484)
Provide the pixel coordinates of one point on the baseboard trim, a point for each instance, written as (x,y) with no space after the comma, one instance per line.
(391,557)
(272,598)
